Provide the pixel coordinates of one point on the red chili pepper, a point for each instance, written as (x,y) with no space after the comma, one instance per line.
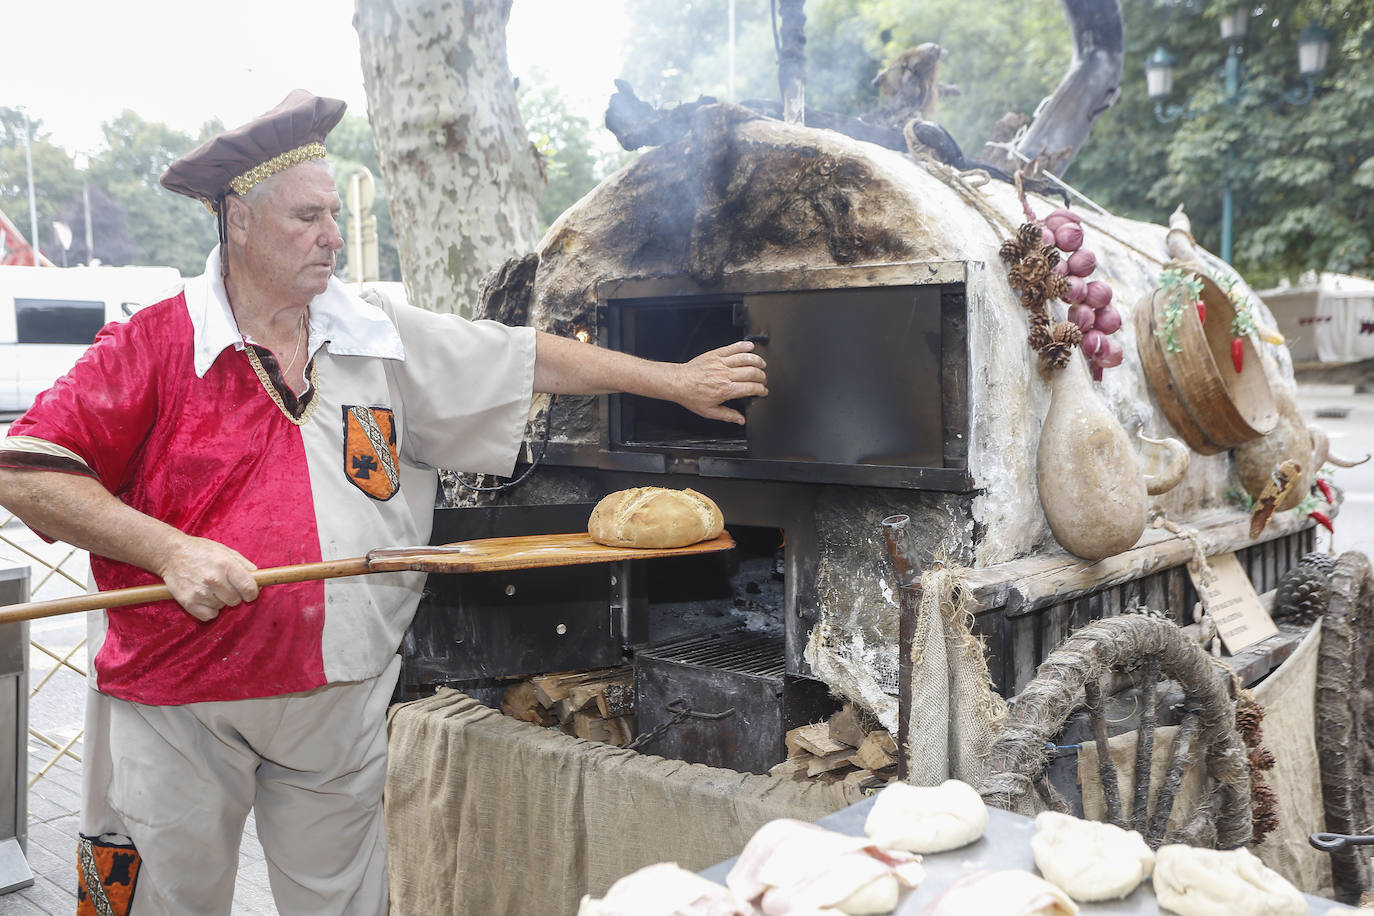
(1238,355)
(1321,518)
(1201,312)
(1327,492)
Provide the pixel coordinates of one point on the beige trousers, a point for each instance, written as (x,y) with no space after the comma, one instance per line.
(179,782)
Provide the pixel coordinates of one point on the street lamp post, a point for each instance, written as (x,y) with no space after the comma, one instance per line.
(1314,44)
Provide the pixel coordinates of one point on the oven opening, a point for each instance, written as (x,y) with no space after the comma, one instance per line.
(740,588)
(673,332)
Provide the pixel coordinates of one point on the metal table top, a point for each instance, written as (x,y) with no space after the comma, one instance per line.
(1006,844)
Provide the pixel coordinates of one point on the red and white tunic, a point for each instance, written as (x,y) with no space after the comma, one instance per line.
(168,413)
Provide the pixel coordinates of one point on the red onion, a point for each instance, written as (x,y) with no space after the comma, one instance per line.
(1046,237)
(1094,342)
(1063,214)
(1108,319)
(1053,223)
(1098,295)
(1069,237)
(1097,372)
(1062,268)
(1082,262)
(1077,290)
(1083,316)
(1112,355)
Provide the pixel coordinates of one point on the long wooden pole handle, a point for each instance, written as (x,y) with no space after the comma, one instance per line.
(145,594)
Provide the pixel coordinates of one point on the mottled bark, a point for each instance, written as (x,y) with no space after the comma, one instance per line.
(1065,119)
(464,179)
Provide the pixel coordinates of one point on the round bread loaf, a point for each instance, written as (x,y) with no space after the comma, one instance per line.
(654,517)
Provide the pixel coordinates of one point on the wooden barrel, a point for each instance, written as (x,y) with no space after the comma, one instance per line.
(1210,405)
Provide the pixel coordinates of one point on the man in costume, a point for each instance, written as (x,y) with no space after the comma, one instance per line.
(266,416)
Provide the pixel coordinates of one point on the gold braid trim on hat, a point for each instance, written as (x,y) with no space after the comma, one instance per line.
(260,173)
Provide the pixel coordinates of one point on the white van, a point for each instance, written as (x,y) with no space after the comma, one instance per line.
(50,315)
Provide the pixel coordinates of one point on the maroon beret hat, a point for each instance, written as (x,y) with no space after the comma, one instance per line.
(236,160)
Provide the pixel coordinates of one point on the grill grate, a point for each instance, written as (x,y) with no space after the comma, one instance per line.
(736,651)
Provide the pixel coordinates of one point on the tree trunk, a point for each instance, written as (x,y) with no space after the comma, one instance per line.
(463,178)
(1065,119)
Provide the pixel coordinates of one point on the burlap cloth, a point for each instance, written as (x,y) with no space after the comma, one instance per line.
(1287,696)
(488,816)
(955,714)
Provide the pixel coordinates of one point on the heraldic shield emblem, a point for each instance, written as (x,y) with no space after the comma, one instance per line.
(370,461)
(106,876)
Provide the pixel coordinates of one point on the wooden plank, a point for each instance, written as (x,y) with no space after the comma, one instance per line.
(814,739)
(519,702)
(550,688)
(1058,576)
(877,752)
(1180,610)
(818,765)
(1025,657)
(845,726)
(792,766)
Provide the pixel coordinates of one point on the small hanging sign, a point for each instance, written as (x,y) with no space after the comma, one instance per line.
(1229,597)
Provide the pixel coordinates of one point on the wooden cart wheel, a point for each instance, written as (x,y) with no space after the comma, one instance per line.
(1345,720)
(1079,675)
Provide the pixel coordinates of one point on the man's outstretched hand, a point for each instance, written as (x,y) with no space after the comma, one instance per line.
(716,376)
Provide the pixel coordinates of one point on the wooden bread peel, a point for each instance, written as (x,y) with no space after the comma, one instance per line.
(482,555)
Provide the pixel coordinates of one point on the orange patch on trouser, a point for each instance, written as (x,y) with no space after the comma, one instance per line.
(370,460)
(106,875)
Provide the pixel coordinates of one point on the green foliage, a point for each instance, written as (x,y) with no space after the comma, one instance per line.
(56,180)
(1291,167)
(1003,57)
(351,146)
(134,219)
(574,161)
(1181,290)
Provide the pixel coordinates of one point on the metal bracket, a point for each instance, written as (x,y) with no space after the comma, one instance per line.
(679,707)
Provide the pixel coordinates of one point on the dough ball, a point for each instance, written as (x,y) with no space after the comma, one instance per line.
(1212,882)
(927,819)
(1089,860)
(654,517)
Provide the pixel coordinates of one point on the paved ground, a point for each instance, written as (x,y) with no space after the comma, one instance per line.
(56,710)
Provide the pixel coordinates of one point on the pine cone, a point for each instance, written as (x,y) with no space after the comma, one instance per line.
(1056,287)
(1066,332)
(1303,594)
(1011,251)
(1261,758)
(1033,298)
(1057,355)
(1318,560)
(1050,254)
(1034,267)
(1030,236)
(1249,715)
(1264,813)
(1039,338)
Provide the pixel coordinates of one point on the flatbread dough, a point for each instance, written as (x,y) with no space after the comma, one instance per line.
(1089,860)
(1005,893)
(1211,882)
(664,889)
(927,819)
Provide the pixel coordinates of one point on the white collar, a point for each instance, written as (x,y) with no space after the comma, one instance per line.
(339,321)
